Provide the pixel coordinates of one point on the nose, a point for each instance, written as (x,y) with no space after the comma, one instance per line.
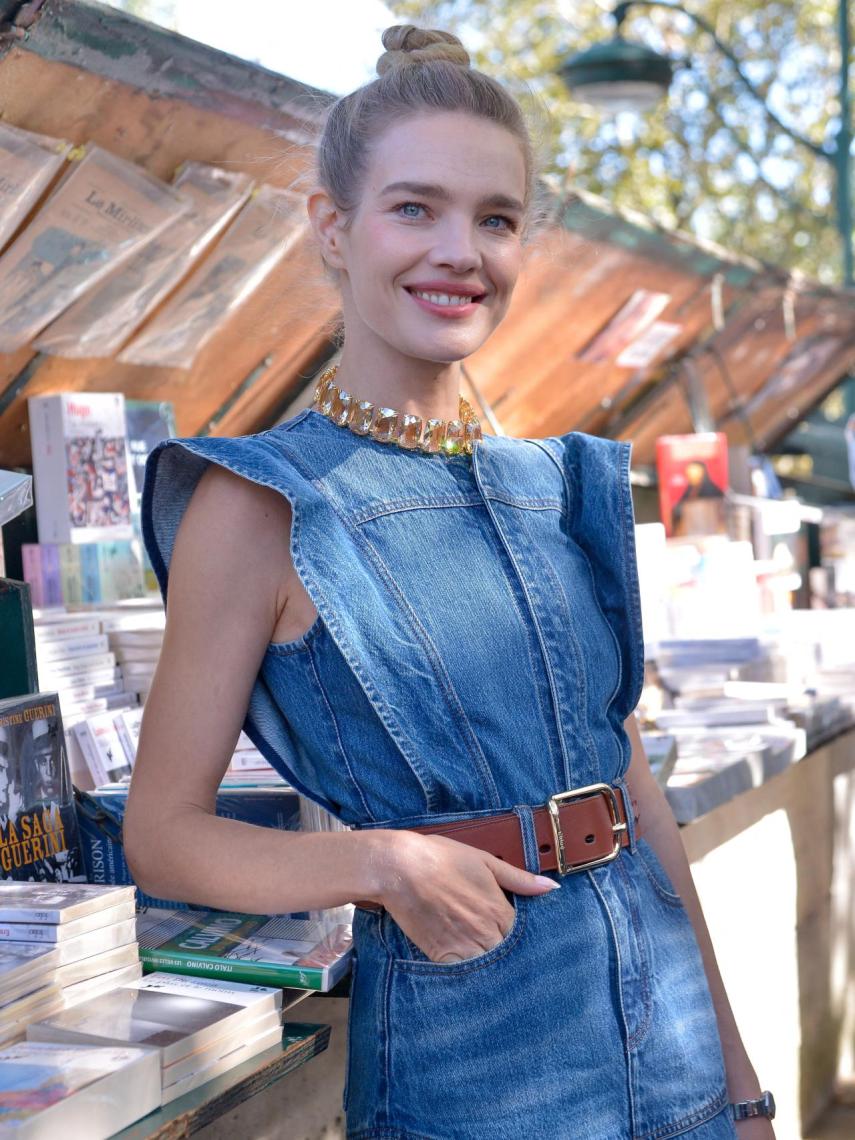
(456,246)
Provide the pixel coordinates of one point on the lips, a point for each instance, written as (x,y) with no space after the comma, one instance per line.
(473,291)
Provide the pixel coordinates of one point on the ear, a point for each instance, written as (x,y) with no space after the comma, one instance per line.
(325,219)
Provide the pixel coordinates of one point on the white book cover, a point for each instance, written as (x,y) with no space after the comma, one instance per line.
(199,1073)
(95,965)
(263,999)
(143,654)
(68,648)
(91,987)
(95,942)
(30,987)
(136,638)
(128,723)
(77,626)
(80,467)
(101,748)
(57,1090)
(61,932)
(32,1006)
(44,902)
(176,1025)
(79,669)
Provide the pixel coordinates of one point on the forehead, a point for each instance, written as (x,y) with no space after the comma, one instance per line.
(464,153)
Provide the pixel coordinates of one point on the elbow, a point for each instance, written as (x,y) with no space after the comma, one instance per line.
(143,849)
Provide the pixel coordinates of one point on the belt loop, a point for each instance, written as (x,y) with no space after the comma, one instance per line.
(523,812)
(629,810)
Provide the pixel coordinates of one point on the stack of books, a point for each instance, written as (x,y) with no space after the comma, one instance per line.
(75,1090)
(59,946)
(199,1028)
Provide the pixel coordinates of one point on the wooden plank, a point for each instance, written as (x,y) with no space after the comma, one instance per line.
(202,1106)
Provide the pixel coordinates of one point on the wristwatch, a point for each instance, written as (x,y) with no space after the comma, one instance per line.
(764,1105)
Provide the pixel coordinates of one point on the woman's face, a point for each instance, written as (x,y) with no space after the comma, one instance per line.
(439,220)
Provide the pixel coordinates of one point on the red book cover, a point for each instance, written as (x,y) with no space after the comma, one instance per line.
(693,479)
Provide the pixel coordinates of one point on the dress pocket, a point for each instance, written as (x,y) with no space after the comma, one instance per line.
(657,874)
(409,958)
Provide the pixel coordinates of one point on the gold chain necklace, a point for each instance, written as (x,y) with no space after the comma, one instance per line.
(386,425)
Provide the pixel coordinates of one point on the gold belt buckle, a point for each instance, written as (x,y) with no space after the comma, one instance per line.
(552,804)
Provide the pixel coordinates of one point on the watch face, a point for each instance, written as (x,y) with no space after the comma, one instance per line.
(770,1105)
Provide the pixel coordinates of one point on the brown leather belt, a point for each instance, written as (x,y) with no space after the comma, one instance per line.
(575,831)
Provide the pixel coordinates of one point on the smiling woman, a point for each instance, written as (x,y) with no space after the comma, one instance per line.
(436,636)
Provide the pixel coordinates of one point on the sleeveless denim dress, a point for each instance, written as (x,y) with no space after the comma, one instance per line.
(477,648)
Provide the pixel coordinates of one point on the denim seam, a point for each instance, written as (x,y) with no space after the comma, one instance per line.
(672,898)
(341,748)
(700,1116)
(630,1060)
(388,1134)
(481,962)
(387,1043)
(296,644)
(640,1032)
(633,590)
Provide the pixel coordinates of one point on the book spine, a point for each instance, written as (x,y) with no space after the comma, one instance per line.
(90,572)
(70,574)
(51,574)
(19,932)
(89,748)
(49,479)
(31,556)
(255,972)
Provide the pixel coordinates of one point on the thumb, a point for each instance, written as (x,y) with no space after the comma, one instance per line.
(520,882)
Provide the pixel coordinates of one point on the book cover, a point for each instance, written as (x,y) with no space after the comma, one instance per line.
(21,962)
(18,668)
(43,902)
(100,322)
(21,930)
(261,235)
(95,965)
(28,164)
(693,479)
(103,211)
(100,744)
(128,723)
(51,1090)
(273,950)
(149,423)
(95,942)
(174,1024)
(80,467)
(39,839)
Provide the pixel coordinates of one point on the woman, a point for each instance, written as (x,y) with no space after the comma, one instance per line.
(425,629)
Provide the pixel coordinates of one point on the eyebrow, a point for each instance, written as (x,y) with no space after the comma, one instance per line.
(429,190)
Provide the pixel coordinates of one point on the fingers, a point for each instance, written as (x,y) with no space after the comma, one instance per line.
(518,881)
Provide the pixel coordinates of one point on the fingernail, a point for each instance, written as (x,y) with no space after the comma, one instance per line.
(544,882)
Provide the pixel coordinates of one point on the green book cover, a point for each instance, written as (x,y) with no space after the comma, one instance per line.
(269,950)
(18,675)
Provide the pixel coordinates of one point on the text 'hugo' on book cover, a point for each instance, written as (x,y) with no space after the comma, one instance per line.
(39,840)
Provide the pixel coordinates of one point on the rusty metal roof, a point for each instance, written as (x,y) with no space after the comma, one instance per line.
(612,318)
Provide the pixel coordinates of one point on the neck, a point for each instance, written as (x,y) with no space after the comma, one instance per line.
(415,387)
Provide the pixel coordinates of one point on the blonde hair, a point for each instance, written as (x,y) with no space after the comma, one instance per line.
(422,69)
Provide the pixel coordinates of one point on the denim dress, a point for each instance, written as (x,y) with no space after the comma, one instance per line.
(477,649)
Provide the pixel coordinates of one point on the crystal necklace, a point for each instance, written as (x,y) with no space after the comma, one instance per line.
(451,437)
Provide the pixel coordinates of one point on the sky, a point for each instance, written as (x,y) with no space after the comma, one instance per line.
(331,44)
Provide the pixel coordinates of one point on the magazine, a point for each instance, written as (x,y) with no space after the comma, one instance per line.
(59,1090)
(100,322)
(80,467)
(28,163)
(39,839)
(273,950)
(102,213)
(260,237)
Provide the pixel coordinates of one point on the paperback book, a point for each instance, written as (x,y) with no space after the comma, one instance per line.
(39,838)
(29,162)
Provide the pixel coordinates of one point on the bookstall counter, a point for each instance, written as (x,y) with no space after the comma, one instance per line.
(202,1106)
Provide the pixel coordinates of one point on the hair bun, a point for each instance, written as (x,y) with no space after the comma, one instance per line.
(406,45)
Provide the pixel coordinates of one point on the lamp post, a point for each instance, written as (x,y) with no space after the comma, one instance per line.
(619,75)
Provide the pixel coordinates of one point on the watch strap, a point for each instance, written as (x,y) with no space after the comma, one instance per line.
(764,1105)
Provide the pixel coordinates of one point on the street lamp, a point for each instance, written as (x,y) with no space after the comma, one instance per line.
(619,76)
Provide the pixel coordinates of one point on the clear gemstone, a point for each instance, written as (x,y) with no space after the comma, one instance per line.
(453,443)
(385,425)
(434,436)
(410,431)
(360,420)
(471,432)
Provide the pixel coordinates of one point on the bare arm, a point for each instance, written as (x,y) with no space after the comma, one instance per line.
(663,835)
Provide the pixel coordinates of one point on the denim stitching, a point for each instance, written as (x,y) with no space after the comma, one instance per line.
(296,644)
(639,934)
(700,1116)
(633,591)
(341,748)
(471,965)
(673,899)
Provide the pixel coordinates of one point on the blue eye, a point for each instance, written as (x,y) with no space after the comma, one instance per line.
(415,205)
(508,223)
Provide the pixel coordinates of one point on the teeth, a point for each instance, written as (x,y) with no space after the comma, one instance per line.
(442,298)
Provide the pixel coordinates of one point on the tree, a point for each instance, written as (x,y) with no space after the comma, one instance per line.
(707,159)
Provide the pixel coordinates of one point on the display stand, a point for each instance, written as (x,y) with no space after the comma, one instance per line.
(202,1106)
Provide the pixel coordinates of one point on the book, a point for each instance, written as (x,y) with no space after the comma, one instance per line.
(175,1025)
(273,950)
(39,838)
(38,902)
(99,742)
(239,1052)
(262,999)
(93,965)
(95,942)
(102,212)
(29,162)
(22,931)
(57,1090)
(21,962)
(78,992)
(149,423)
(80,468)
(99,323)
(128,723)
(18,668)
(693,477)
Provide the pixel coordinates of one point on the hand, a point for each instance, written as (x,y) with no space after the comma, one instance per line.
(447,897)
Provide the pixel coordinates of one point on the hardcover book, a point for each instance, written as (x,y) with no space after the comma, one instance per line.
(39,839)
(51,1090)
(18,669)
(273,950)
(80,467)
